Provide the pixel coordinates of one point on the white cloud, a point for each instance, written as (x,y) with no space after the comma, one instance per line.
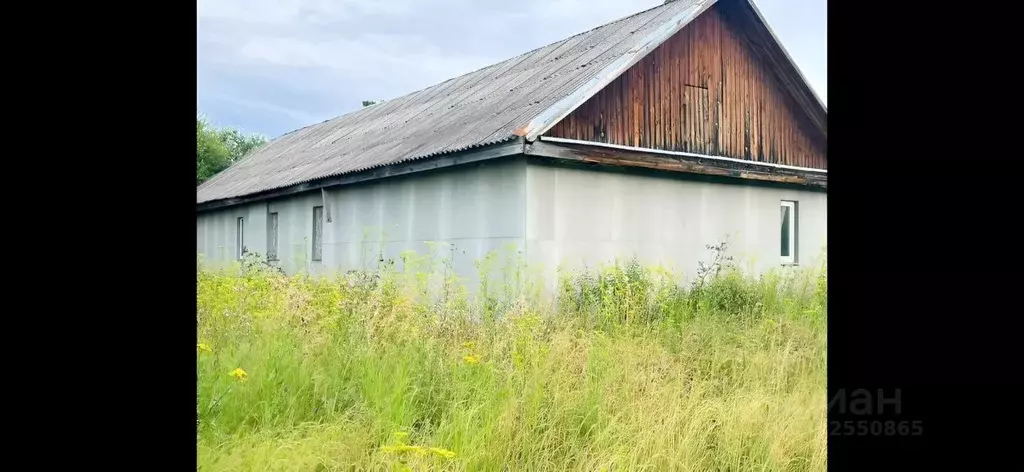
(369,56)
(296,12)
(272,12)
(297,115)
(588,13)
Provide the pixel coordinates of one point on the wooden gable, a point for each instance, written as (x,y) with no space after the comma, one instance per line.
(702,91)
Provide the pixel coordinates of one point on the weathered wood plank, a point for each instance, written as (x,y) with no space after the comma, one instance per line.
(709,89)
(675,163)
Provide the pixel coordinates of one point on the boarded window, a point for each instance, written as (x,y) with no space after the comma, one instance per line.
(272,236)
(240,238)
(788,237)
(318,233)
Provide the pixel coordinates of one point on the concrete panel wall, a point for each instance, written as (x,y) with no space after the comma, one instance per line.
(478,208)
(578,217)
(555,215)
(216,232)
(294,230)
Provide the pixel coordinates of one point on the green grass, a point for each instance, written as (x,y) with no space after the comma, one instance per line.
(624,372)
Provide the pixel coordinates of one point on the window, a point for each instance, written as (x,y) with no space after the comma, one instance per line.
(240,239)
(788,249)
(318,233)
(272,236)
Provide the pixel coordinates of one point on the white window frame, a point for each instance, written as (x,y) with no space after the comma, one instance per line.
(791,258)
(239,236)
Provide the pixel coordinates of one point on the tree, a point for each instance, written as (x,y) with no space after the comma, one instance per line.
(217,149)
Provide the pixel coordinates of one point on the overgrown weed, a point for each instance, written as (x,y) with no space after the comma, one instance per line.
(637,368)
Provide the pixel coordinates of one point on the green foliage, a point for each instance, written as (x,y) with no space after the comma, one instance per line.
(402,368)
(217,149)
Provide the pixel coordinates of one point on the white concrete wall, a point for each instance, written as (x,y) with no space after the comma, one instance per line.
(478,208)
(579,217)
(216,231)
(557,216)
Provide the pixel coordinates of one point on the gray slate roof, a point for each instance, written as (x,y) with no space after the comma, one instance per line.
(491,105)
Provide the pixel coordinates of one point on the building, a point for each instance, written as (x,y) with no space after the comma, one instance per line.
(652,136)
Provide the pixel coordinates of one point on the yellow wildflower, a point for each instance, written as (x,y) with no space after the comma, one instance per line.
(204,347)
(239,374)
(443,452)
(400,447)
(470,359)
(469,345)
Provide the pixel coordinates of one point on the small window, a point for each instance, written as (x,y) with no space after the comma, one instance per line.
(272,236)
(788,249)
(318,233)
(240,241)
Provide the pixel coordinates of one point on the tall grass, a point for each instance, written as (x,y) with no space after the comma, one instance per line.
(404,369)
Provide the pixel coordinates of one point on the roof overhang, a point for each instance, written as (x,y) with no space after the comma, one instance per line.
(615,156)
(443,161)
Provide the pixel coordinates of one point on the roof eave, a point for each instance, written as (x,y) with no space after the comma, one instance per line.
(676,163)
(439,161)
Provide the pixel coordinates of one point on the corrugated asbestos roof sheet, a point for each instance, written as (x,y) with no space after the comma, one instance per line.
(480,108)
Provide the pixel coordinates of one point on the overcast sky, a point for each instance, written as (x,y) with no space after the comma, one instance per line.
(272,66)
